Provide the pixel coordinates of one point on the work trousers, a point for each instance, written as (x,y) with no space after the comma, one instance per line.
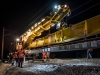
(20,64)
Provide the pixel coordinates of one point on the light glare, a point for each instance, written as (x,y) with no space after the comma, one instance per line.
(39,22)
(17,39)
(43,20)
(65,5)
(31,27)
(55,6)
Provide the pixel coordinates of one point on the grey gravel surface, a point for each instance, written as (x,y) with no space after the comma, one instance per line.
(3,67)
(58,67)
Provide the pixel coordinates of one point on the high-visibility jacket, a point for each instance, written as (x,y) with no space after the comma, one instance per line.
(44,55)
(19,50)
(15,55)
(21,54)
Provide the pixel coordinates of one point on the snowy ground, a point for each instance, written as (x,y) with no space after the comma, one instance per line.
(58,67)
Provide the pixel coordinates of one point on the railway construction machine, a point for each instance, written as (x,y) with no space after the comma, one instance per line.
(75,37)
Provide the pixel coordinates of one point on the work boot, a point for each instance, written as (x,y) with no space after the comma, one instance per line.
(18,64)
(21,65)
(12,64)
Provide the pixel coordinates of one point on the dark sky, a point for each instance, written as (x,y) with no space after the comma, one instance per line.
(16,15)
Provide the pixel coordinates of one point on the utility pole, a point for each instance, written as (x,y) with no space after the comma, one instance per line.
(3,34)
(2,45)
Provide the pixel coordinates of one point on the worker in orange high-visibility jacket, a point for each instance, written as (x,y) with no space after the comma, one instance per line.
(21,55)
(44,55)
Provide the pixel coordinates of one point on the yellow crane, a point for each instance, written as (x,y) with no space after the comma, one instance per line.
(58,13)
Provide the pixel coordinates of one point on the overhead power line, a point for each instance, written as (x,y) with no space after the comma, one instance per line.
(40,14)
(82,5)
(85,10)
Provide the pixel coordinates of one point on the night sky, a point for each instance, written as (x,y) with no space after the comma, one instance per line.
(17,15)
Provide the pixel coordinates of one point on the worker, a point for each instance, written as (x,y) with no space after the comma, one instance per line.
(21,55)
(48,55)
(15,56)
(12,61)
(89,53)
(43,55)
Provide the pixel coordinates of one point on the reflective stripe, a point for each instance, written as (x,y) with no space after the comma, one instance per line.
(21,54)
(16,55)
